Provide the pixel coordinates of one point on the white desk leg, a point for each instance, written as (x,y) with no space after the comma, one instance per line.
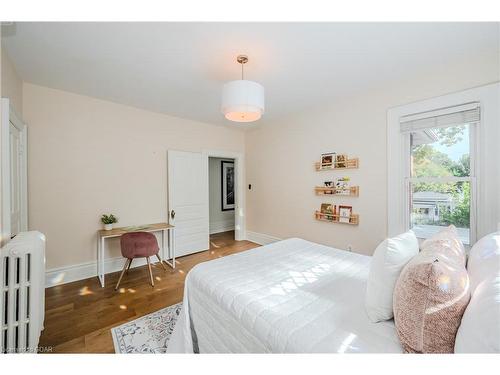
(99,256)
(163,247)
(98,252)
(173,246)
(171,251)
(102,262)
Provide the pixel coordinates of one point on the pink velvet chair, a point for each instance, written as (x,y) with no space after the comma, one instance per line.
(139,245)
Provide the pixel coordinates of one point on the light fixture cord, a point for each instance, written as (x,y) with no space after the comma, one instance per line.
(242,71)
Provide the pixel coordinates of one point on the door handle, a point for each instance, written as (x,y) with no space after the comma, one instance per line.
(172,214)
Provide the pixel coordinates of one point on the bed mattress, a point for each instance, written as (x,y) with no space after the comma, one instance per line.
(292,296)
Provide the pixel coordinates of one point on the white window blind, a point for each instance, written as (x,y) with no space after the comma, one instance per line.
(450,116)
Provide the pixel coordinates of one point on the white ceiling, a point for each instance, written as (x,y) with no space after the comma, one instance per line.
(179,68)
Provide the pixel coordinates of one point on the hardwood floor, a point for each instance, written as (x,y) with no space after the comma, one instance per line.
(79,315)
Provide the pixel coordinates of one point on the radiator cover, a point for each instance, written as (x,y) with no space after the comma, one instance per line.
(22,297)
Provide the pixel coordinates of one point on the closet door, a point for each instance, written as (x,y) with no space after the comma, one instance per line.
(188,201)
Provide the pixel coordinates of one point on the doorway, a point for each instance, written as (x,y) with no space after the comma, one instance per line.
(188,198)
(221,198)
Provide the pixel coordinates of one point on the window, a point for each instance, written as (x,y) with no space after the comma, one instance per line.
(478,121)
(439,176)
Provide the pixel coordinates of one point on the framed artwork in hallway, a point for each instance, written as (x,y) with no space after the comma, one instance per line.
(227,185)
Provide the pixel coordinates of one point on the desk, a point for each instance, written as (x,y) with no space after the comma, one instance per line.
(166,253)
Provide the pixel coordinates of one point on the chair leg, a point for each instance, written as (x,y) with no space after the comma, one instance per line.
(161,262)
(150,272)
(127,262)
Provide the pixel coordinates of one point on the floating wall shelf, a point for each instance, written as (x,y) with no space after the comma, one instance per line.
(336,165)
(335,218)
(352,191)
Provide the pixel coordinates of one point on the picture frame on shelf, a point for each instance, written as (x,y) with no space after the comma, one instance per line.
(340,161)
(328,159)
(342,185)
(345,213)
(328,210)
(328,184)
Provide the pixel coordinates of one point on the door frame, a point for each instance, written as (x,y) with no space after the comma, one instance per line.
(240,232)
(9,116)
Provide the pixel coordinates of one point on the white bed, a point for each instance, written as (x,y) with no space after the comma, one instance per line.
(292,296)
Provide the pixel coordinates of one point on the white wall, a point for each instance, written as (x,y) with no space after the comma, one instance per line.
(89,156)
(220,221)
(280,158)
(12,84)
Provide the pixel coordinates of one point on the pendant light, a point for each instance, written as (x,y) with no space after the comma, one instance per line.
(242,100)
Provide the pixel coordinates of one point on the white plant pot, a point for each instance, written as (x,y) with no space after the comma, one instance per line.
(108,226)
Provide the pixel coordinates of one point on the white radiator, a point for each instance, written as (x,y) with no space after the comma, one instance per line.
(22,297)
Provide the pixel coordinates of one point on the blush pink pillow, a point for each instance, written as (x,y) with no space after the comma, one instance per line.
(431,295)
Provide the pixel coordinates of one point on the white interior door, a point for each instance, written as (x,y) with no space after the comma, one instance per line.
(188,201)
(15,180)
(14,173)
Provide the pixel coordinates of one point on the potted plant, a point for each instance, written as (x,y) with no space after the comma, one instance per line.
(108,221)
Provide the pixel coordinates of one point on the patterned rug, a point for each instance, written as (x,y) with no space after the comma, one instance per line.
(148,334)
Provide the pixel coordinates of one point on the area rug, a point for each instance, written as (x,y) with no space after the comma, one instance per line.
(147,334)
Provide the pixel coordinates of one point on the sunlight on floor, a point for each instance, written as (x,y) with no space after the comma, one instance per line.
(85,291)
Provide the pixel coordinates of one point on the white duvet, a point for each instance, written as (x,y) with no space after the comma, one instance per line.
(292,296)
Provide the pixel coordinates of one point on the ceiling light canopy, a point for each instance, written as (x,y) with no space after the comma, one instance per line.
(243,100)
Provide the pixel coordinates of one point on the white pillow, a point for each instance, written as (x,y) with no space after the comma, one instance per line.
(484,259)
(387,263)
(479,331)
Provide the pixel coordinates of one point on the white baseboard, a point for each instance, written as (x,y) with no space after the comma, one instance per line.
(221,226)
(68,274)
(261,238)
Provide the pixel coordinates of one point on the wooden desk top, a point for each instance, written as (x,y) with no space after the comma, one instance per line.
(116,232)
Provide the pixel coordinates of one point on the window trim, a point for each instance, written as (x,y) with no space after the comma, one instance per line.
(485,205)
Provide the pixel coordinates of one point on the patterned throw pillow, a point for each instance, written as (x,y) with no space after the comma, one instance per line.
(431,295)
